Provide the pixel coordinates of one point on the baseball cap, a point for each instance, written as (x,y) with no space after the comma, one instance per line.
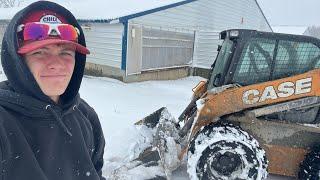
(49,18)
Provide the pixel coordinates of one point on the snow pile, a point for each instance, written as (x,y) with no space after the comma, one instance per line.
(162,138)
(312,125)
(166,139)
(135,171)
(125,167)
(120,105)
(200,104)
(142,141)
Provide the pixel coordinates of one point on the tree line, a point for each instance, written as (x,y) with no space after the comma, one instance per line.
(10,3)
(313,31)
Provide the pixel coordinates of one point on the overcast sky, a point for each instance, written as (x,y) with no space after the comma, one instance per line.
(291,12)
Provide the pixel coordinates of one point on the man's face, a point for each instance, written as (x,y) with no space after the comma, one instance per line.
(52,67)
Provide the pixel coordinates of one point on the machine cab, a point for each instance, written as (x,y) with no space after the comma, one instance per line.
(249,57)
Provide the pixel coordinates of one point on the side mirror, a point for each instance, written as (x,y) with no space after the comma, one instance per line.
(219,48)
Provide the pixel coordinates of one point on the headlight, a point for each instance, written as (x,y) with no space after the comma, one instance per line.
(233,33)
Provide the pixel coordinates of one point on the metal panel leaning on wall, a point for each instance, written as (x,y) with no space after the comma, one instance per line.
(166,49)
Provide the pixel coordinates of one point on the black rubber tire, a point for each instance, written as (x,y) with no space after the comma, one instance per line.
(310,167)
(224,151)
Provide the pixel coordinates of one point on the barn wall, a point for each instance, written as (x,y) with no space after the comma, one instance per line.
(206,18)
(105,43)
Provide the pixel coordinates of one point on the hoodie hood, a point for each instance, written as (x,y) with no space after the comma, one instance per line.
(31,107)
(19,76)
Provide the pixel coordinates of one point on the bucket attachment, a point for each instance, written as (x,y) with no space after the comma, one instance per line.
(165,148)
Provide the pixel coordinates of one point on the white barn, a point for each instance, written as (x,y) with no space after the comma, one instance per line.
(166,41)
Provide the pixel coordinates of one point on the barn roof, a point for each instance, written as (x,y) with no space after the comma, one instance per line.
(97,10)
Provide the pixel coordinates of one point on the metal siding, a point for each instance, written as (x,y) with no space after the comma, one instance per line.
(105,43)
(206,48)
(207,18)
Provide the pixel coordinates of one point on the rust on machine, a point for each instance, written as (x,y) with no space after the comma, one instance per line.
(284,160)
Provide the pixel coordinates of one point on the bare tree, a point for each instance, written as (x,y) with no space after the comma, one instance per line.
(10,3)
(313,31)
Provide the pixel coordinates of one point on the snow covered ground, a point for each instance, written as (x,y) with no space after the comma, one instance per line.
(119,105)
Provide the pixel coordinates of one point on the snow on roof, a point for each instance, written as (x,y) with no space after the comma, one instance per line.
(97,9)
(290,29)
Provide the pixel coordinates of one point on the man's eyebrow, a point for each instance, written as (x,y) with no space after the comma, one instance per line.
(45,48)
(68,48)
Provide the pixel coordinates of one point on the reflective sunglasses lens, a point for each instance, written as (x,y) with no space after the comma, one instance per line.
(68,32)
(33,31)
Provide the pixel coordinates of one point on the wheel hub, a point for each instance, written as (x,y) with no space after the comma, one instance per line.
(225,163)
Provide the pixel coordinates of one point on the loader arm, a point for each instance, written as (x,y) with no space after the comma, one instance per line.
(198,91)
(190,112)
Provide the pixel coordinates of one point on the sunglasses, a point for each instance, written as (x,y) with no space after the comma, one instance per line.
(40,31)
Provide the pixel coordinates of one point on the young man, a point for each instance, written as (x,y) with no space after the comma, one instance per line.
(47,132)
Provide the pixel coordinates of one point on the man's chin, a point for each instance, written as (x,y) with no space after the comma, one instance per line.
(54,92)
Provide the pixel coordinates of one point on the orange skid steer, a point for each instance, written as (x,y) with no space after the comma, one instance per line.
(258,113)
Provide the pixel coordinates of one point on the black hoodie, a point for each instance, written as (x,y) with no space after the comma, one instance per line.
(41,139)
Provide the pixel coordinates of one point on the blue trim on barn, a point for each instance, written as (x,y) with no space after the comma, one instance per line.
(126,18)
(93,20)
(124,45)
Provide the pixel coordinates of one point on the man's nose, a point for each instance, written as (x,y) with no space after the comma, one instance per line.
(55,62)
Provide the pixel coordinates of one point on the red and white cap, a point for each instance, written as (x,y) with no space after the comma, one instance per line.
(46,16)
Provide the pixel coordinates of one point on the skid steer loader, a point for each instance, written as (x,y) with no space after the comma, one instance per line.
(258,113)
